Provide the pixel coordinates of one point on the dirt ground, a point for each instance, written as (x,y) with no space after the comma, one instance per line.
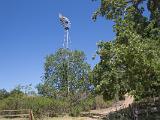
(71,118)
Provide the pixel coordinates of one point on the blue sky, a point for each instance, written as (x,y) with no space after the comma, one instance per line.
(30,30)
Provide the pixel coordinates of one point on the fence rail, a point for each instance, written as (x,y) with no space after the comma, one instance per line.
(27,113)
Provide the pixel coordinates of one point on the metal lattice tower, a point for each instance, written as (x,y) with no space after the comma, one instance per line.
(66,25)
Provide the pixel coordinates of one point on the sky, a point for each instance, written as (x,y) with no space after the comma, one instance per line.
(30,30)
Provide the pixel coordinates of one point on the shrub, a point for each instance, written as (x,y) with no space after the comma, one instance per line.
(87,104)
(75,111)
(41,106)
(44,106)
(100,103)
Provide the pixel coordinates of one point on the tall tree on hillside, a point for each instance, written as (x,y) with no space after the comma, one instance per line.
(66,72)
(129,63)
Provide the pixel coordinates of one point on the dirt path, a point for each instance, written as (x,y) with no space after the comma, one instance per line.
(98,114)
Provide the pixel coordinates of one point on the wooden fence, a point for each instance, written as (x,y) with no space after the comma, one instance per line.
(24,113)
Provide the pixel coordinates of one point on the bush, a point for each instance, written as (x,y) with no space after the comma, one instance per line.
(41,106)
(123,114)
(3,94)
(87,104)
(11,103)
(100,103)
(75,111)
(44,106)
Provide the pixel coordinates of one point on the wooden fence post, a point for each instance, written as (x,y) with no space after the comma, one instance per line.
(31,115)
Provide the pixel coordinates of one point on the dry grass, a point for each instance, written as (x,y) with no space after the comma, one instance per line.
(54,118)
(69,118)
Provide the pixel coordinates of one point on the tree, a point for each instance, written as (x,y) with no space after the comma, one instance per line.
(3,94)
(66,72)
(129,63)
(17,92)
(113,9)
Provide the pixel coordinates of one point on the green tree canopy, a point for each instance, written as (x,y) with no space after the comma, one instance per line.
(3,94)
(66,72)
(130,63)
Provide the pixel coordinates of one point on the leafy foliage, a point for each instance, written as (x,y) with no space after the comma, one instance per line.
(3,94)
(66,73)
(44,106)
(130,63)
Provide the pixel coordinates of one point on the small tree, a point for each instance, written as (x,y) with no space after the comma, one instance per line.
(66,72)
(3,94)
